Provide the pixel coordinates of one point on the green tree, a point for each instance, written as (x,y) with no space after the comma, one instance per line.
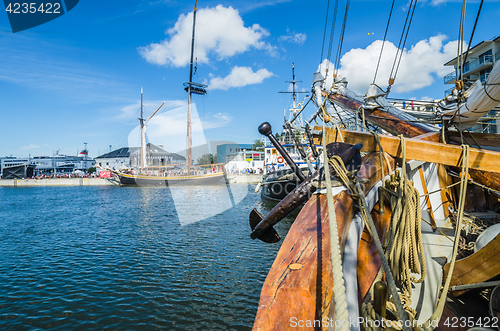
(91,170)
(258,145)
(205,159)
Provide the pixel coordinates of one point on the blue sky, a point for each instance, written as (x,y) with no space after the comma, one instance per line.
(78,78)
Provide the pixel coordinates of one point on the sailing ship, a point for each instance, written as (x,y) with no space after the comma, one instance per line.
(162,175)
(280,178)
(389,244)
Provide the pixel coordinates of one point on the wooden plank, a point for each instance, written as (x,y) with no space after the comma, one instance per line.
(446,194)
(483,139)
(430,136)
(427,198)
(476,268)
(419,150)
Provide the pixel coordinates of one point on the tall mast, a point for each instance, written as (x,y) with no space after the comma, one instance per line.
(192,87)
(189,124)
(143,137)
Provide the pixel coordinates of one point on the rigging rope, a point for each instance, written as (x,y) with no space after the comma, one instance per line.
(473,30)
(404,42)
(405,232)
(404,35)
(341,39)
(332,32)
(383,42)
(324,32)
(460,50)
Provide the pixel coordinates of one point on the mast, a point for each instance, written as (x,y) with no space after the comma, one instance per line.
(189,126)
(143,137)
(293,85)
(195,88)
(294,92)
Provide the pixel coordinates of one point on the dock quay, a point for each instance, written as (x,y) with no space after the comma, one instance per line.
(59,182)
(249,179)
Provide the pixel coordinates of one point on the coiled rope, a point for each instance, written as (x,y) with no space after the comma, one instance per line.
(405,250)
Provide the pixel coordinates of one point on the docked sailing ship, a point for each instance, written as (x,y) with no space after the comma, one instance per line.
(280,176)
(174,174)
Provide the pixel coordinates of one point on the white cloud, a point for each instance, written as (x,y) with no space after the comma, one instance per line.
(239,77)
(419,65)
(29,147)
(216,121)
(298,38)
(220,32)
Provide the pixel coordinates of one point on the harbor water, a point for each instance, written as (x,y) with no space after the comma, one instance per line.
(118,258)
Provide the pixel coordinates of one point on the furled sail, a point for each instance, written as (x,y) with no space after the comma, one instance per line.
(481,98)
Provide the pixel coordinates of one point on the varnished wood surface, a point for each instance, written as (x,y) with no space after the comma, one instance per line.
(420,150)
(483,139)
(490,179)
(430,136)
(383,119)
(368,259)
(299,284)
(476,268)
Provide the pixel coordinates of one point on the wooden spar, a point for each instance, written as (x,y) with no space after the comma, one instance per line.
(420,150)
(386,121)
(299,283)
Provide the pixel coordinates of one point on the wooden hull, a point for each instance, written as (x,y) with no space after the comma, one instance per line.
(209,179)
(299,284)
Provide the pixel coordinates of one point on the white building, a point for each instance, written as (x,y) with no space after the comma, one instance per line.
(128,157)
(480,60)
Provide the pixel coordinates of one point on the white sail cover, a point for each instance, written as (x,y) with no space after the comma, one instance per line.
(481,99)
(376,98)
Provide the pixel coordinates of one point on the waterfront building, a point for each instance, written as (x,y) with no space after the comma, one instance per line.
(240,158)
(127,157)
(49,165)
(11,161)
(480,60)
(223,150)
